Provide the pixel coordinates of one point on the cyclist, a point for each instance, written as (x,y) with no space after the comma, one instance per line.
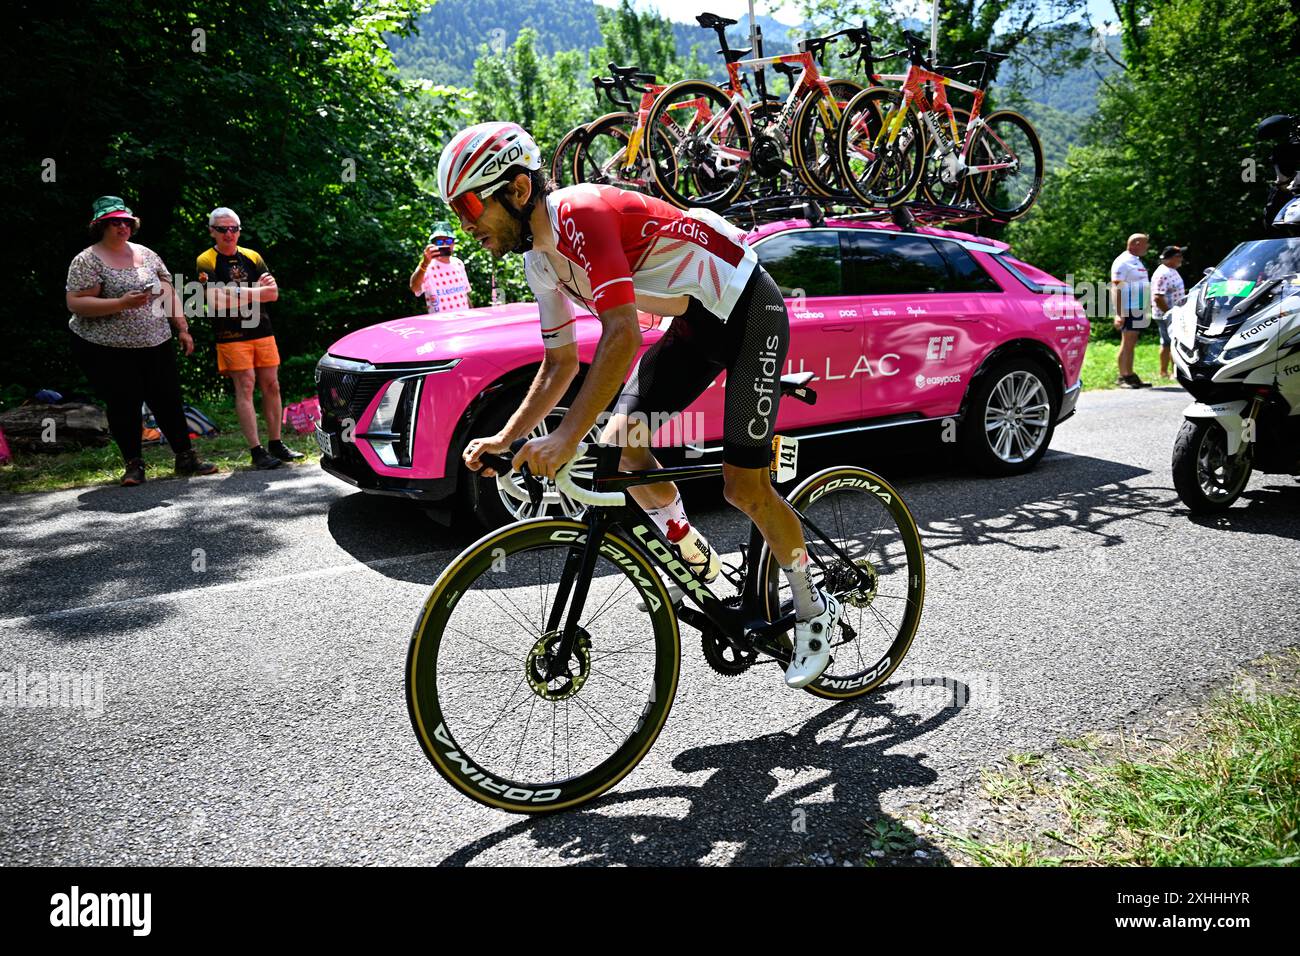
(615,251)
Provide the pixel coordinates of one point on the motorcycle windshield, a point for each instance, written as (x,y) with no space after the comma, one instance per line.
(1243,282)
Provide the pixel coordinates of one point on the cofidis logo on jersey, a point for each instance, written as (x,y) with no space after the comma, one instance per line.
(679,229)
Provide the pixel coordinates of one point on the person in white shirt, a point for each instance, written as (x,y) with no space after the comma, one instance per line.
(1167,292)
(440,277)
(1129,286)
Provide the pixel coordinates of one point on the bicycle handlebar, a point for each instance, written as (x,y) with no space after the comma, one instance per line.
(503,467)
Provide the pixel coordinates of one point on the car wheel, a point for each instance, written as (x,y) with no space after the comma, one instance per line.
(1010,418)
(492,509)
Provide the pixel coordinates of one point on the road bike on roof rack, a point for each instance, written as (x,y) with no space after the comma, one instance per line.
(545,660)
(886,135)
(720,139)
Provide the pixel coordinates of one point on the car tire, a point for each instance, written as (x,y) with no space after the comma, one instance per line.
(484,502)
(1004,432)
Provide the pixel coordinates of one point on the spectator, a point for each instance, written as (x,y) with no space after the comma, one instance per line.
(1129,287)
(1167,292)
(122,301)
(440,277)
(246,351)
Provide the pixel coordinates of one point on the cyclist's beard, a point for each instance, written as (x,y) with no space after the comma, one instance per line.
(521,230)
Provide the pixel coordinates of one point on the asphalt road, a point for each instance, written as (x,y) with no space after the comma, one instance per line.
(243,640)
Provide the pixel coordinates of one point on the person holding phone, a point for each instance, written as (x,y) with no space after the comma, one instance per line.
(124,310)
(441,277)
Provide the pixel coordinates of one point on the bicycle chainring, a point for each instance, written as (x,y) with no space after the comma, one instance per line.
(766,156)
(540,666)
(724,658)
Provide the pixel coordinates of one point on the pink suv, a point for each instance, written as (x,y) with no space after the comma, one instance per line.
(898,327)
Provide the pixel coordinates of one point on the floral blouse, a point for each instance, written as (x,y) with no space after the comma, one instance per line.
(137,328)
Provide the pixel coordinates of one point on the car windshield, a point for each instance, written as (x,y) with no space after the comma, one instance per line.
(1247,278)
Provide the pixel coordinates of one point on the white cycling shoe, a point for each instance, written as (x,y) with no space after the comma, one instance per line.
(812,644)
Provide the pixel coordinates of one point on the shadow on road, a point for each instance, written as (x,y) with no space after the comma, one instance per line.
(738,812)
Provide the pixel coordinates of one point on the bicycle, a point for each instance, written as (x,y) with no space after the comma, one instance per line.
(882,147)
(528,696)
(609,149)
(714,140)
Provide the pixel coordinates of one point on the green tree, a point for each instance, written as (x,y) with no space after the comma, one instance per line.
(290,111)
(1152,164)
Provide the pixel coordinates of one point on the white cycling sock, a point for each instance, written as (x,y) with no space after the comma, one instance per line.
(669,512)
(808,601)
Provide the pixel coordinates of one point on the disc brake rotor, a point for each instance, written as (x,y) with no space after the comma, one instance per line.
(845,582)
(550,680)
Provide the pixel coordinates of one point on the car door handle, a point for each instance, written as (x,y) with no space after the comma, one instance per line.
(966,318)
(838,328)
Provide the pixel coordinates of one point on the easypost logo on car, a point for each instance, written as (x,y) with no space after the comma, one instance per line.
(924,382)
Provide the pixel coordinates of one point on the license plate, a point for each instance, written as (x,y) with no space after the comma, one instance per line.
(328,443)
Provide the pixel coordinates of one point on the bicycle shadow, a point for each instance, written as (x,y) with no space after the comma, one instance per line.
(744,814)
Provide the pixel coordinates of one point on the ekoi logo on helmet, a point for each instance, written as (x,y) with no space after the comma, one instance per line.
(503,160)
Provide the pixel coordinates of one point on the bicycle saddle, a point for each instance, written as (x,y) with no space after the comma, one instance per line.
(712,21)
(991,56)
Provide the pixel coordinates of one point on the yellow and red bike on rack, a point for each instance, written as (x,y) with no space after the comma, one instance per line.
(890,140)
(717,139)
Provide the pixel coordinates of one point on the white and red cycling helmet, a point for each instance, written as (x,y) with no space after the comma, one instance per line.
(474,164)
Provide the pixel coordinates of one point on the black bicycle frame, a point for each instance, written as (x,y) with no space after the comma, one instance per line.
(740,627)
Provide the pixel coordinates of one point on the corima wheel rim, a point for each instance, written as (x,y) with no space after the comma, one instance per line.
(1017,417)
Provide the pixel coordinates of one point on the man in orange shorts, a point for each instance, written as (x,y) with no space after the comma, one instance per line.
(238,287)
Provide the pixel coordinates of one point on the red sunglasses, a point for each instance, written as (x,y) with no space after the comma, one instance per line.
(469,206)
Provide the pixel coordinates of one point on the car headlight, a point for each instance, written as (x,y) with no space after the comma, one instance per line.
(392,428)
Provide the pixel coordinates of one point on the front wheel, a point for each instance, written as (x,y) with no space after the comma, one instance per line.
(1009,149)
(815,126)
(876,568)
(1208,480)
(492,508)
(497,712)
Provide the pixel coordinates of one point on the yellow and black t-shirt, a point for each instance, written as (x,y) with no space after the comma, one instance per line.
(244,268)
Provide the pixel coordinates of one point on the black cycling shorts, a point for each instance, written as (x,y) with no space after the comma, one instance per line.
(750,346)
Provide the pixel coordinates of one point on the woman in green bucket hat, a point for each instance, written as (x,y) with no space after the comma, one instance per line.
(123,312)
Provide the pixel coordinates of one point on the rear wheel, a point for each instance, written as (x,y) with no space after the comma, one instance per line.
(866,520)
(497,712)
(878,169)
(707,138)
(1010,418)
(1006,139)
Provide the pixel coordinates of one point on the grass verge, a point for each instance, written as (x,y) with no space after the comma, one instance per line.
(1219,787)
(99,466)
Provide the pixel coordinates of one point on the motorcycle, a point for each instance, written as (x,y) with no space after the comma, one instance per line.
(1236,351)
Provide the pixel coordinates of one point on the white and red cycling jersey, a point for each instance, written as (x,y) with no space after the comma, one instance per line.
(622,244)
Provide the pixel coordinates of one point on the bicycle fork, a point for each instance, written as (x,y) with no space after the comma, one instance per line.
(579,566)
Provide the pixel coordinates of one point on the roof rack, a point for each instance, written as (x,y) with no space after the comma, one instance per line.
(816,209)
